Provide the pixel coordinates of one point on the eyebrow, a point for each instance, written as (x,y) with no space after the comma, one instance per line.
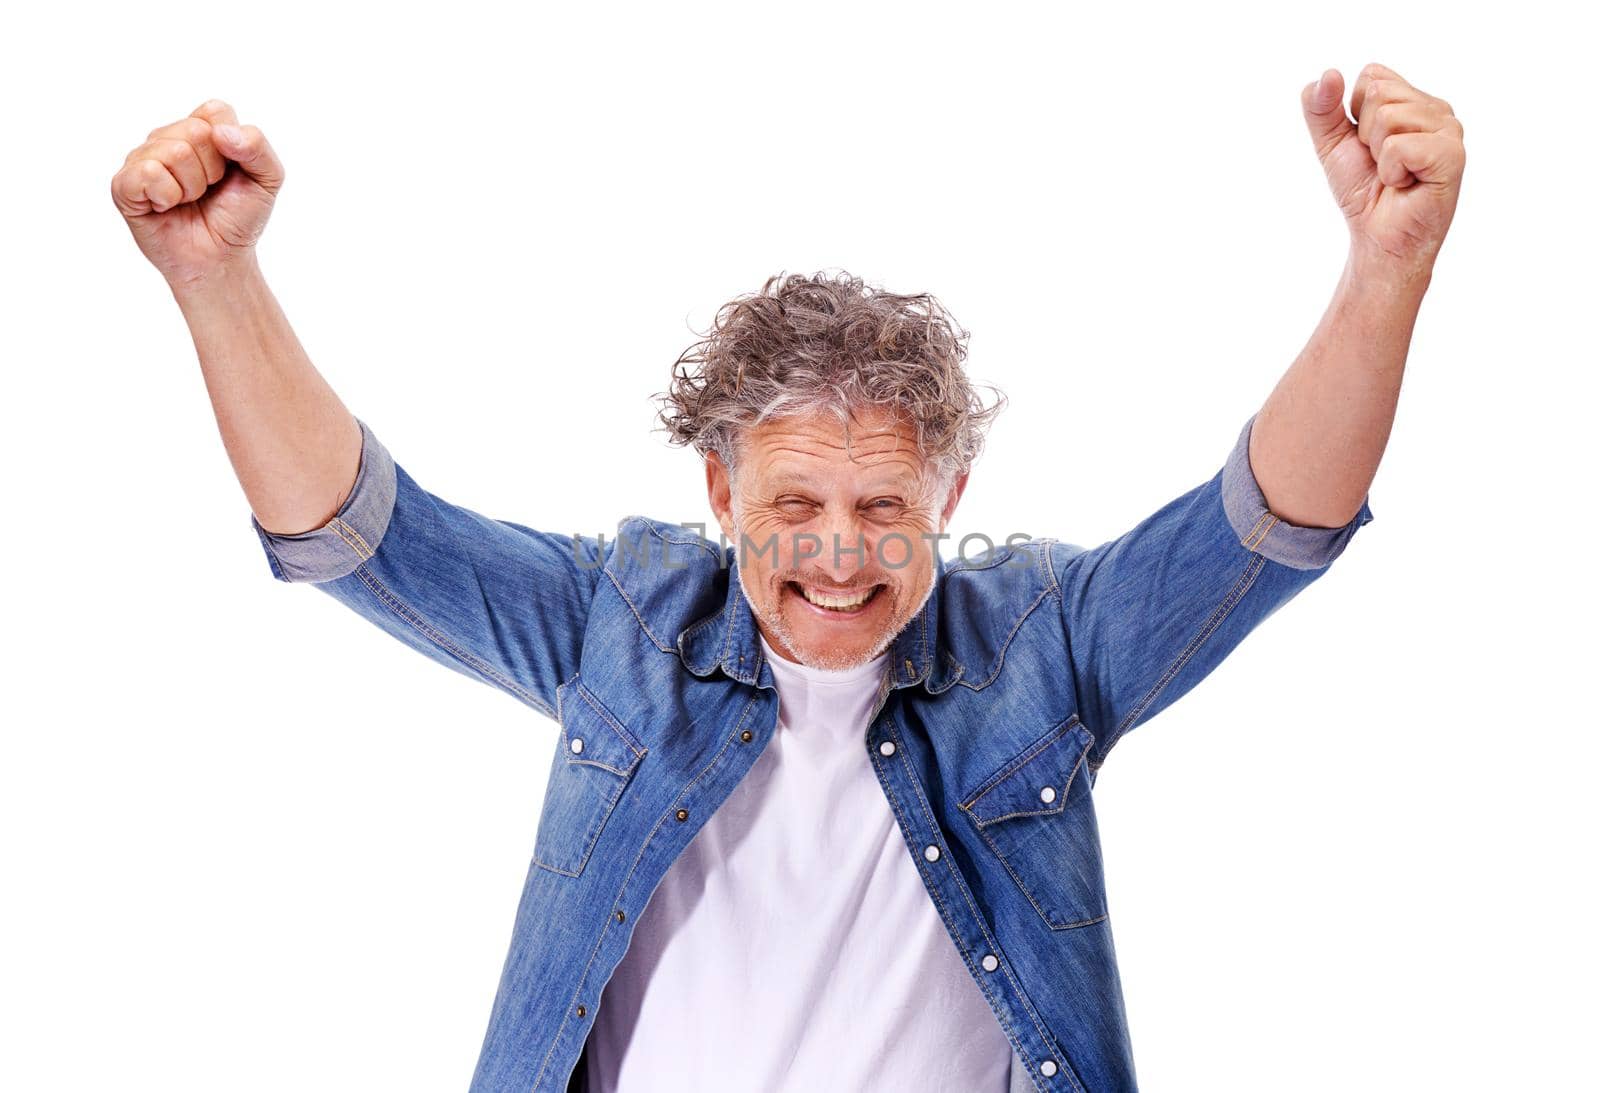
(896,484)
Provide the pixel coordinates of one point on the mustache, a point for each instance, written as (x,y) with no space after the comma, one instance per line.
(816,580)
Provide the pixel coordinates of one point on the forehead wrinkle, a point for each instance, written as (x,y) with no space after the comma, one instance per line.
(891,451)
(885,461)
(904,452)
(797,441)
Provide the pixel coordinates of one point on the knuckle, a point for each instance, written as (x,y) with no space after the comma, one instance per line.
(195,129)
(179,151)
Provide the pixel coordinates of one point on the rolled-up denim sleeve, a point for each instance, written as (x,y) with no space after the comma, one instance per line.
(1146,616)
(350,535)
(494,600)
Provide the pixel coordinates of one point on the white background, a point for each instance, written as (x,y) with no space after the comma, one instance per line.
(250,843)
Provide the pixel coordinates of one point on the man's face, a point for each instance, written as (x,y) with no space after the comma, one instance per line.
(836,555)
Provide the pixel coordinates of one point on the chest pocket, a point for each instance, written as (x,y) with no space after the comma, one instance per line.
(594,761)
(1036,815)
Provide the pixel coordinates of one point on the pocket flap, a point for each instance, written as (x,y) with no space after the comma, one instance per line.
(1035,783)
(591,735)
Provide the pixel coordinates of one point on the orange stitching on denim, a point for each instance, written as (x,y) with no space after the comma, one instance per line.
(1260,538)
(356,535)
(336,526)
(1255,528)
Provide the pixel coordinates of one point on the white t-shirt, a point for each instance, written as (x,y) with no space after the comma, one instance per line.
(792,946)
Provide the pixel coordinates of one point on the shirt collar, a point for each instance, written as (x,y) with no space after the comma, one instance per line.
(729,639)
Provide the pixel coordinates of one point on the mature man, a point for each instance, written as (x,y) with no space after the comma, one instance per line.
(820,813)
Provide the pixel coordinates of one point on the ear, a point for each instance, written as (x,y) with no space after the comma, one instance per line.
(957,488)
(719,491)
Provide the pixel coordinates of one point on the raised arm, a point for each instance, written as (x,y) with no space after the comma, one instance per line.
(196,195)
(496,601)
(1395,173)
(1147,615)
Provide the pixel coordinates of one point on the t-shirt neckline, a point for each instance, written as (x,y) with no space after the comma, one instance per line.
(790,669)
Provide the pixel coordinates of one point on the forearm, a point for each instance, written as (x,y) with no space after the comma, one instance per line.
(1318,439)
(294,446)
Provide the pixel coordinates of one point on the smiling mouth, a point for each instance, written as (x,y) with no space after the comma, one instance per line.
(834,602)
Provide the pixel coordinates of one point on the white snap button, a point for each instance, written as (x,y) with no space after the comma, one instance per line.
(932,853)
(577,743)
(1048,1068)
(1047,794)
(886,748)
(990,963)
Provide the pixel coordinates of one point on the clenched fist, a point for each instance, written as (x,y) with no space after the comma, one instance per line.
(1396,170)
(197,193)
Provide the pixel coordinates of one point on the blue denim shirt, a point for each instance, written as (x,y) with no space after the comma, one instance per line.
(1003,698)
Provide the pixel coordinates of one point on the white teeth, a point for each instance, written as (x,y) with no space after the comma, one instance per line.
(822,599)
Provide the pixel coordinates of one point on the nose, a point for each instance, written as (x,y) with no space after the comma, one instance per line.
(845,553)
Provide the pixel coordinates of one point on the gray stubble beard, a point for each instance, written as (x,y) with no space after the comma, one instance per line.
(774,622)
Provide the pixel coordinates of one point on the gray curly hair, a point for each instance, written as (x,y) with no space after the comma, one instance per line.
(829,344)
